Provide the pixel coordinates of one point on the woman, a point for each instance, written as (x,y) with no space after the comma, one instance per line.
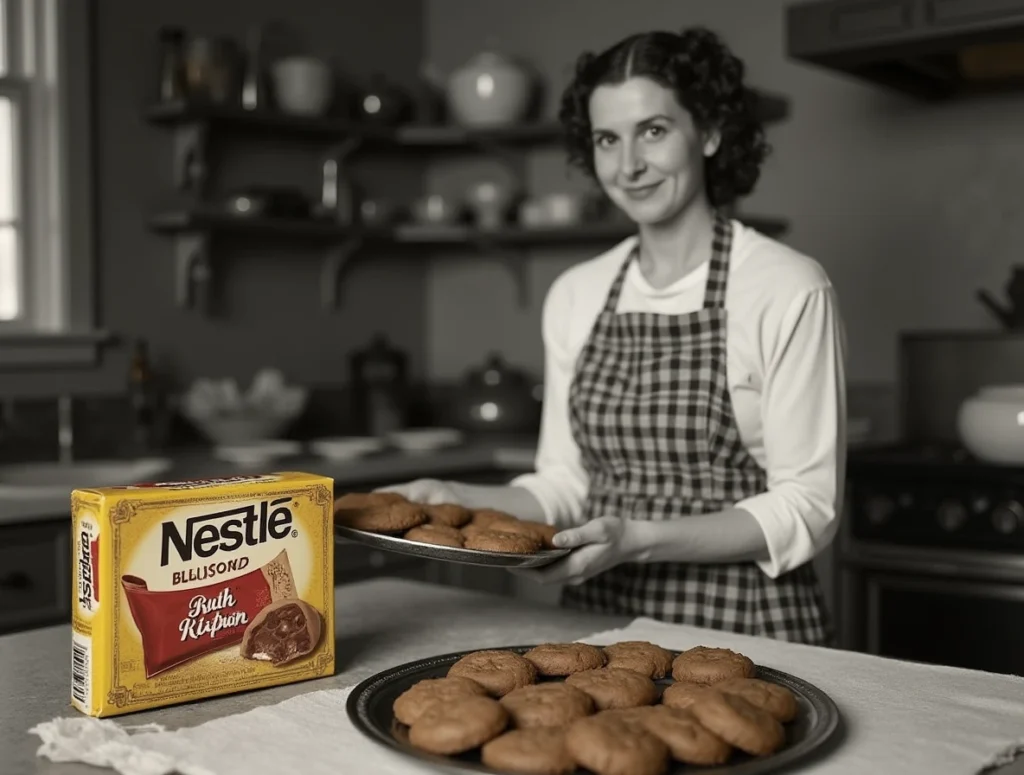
(693,435)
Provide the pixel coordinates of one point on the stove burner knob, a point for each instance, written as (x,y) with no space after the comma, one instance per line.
(879,509)
(951,515)
(1008,517)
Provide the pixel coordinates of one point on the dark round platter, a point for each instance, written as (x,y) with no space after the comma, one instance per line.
(369,708)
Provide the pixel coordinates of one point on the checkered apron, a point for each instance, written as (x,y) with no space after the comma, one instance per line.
(650,410)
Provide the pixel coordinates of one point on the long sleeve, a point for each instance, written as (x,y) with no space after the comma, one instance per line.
(803,407)
(559,482)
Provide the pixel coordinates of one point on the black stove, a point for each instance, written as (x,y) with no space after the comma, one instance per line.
(935,495)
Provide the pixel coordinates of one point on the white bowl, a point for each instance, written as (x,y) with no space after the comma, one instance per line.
(257,453)
(346,447)
(420,440)
(991,424)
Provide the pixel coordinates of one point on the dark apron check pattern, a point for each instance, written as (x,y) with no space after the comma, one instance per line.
(650,410)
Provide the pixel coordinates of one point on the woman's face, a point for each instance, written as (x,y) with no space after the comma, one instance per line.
(648,154)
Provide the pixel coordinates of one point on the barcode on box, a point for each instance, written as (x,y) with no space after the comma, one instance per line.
(81,669)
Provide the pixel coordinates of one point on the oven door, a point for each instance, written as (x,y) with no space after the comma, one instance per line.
(960,611)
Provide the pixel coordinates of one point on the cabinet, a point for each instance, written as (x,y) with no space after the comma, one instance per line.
(35,575)
(335,231)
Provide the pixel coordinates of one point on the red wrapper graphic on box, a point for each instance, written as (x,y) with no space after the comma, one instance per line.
(180,625)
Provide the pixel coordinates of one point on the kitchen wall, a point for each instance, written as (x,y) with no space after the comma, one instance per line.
(271,292)
(909,207)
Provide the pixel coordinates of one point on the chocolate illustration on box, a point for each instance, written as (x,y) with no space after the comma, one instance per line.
(215,586)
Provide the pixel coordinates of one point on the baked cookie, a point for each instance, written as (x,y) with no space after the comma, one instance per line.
(687,740)
(411,703)
(542,532)
(457,726)
(628,715)
(560,659)
(682,694)
(536,751)
(450,514)
(551,704)
(777,700)
(437,534)
(499,672)
(484,518)
(378,512)
(496,541)
(705,665)
(607,746)
(613,687)
(640,656)
(738,722)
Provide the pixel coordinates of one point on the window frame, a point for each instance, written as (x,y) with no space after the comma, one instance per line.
(59,324)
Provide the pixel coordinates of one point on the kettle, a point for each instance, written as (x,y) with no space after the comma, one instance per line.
(497,398)
(1011,316)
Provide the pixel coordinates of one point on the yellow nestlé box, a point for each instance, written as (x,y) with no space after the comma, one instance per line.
(191,589)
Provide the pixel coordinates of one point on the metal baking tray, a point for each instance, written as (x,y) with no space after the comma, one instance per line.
(369,708)
(395,543)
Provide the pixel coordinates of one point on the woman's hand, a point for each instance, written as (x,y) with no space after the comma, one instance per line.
(597,546)
(429,491)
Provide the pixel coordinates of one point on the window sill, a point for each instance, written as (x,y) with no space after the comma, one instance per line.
(43,349)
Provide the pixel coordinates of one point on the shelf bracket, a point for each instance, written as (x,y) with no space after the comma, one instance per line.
(193,273)
(339,257)
(514,261)
(191,162)
(337,196)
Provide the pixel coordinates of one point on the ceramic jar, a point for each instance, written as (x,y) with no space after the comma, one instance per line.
(991,424)
(489,90)
(303,86)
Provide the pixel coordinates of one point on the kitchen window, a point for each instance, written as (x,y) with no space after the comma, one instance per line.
(46,154)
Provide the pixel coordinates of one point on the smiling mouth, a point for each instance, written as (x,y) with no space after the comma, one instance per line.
(642,192)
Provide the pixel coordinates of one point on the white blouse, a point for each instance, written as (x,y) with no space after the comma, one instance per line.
(786,373)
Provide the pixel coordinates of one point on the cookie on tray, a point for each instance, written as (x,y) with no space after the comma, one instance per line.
(687,739)
(777,700)
(613,687)
(640,656)
(534,751)
(549,704)
(411,703)
(739,723)
(457,726)
(450,514)
(496,541)
(706,665)
(436,534)
(562,659)
(543,533)
(378,512)
(607,746)
(497,670)
(683,694)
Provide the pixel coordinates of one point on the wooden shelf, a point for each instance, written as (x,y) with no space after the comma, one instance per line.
(193,231)
(176,114)
(213,222)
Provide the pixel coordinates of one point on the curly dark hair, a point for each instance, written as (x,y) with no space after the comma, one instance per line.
(707,79)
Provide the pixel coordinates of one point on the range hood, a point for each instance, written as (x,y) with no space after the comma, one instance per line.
(930,49)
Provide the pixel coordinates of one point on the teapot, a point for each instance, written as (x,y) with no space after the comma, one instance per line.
(1011,316)
(490,90)
(497,398)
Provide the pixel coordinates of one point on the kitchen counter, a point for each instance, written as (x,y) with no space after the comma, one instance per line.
(513,455)
(380,623)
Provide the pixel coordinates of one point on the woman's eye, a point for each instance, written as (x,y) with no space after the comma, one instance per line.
(604,141)
(654,132)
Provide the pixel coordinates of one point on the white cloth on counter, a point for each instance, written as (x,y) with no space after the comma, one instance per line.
(897,717)
(786,371)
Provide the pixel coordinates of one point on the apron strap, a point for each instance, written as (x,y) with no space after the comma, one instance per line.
(718,267)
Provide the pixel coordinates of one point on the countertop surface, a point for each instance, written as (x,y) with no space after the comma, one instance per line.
(380,624)
(513,455)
